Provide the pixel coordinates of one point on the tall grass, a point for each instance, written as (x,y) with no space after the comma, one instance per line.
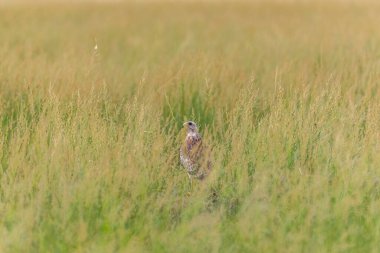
(286,94)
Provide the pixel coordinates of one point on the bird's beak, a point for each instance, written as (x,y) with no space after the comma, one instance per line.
(184,124)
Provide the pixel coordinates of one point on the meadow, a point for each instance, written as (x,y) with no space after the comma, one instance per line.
(92,101)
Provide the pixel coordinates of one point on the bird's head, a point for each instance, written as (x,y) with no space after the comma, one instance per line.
(190,126)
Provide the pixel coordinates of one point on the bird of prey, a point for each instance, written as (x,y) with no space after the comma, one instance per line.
(194,156)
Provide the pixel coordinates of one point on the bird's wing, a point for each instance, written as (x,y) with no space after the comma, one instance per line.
(202,156)
(196,150)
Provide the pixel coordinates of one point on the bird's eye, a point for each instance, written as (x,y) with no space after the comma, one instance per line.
(190,123)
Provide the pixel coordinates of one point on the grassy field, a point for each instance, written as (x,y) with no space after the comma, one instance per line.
(287,94)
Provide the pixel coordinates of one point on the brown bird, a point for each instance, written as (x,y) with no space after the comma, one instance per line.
(194,156)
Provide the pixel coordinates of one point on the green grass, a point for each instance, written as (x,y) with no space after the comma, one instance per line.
(286,94)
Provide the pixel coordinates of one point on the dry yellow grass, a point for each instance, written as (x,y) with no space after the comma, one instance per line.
(286,93)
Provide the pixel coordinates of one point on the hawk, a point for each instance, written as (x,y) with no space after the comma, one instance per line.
(194,155)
